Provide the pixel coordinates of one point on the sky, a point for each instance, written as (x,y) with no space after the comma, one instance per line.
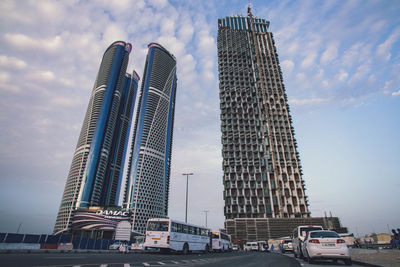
(340,62)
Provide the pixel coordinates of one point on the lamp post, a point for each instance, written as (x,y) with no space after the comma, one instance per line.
(187,185)
(206,211)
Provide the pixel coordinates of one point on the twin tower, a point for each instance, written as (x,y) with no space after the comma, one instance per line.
(96,176)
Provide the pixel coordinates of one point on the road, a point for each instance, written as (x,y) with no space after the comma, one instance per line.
(245,259)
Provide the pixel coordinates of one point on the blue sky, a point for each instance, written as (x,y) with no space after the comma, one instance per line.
(341,66)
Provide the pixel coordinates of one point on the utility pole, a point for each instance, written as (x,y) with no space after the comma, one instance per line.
(187,186)
(206,211)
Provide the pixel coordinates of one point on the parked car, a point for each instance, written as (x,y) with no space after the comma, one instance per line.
(287,246)
(325,245)
(299,234)
(115,245)
(235,247)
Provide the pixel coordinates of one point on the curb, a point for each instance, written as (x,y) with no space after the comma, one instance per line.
(362,263)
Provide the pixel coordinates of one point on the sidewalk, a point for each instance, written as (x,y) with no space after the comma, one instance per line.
(377,257)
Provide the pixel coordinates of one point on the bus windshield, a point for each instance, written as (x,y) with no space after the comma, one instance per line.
(158,226)
(215,235)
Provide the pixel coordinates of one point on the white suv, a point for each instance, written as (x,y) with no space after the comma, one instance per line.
(299,234)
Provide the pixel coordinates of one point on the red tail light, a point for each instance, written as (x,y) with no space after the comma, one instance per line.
(168,238)
(315,241)
(340,241)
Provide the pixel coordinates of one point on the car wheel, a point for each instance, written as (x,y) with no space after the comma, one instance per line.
(185,249)
(347,261)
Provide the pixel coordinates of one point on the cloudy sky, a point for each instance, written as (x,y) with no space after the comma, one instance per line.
(341,66)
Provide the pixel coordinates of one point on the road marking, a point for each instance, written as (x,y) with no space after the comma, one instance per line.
(126,265)
(103,265)
(76,266)
(76,257)
(161,263)
(175,262)
(146,264)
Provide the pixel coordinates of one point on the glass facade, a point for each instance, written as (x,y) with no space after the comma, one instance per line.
(147,183)
(95,172)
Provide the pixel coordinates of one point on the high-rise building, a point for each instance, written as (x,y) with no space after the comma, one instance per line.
(261,165)
(147,183)
(95,174)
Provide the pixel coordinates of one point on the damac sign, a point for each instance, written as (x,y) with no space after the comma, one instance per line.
(112,213)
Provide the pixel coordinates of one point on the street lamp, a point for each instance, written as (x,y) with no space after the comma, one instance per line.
(187,185)
(206,211)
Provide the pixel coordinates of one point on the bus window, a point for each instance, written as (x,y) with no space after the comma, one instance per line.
(185,229)
(174,227)
(157,226)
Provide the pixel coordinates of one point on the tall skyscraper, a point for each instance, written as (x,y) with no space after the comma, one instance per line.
(95,174)
(261,165)
(147,184)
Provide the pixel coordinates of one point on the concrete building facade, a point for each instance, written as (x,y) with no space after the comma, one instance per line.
(261,165)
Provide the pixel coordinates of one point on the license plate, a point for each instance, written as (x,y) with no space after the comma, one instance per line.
(328,245)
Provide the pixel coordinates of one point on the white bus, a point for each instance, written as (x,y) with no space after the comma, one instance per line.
(172,235)
(221,242)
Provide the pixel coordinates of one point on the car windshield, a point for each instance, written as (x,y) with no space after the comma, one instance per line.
(157,226)
(324,235)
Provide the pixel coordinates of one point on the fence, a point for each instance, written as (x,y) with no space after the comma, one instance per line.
(51,241)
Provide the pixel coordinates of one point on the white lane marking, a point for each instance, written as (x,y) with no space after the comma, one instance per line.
(161,263)
(126,265)
(103,265)
(76,257)
(175,262)
(146,264)
(76,266)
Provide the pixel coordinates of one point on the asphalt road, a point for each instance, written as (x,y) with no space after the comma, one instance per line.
(245,259)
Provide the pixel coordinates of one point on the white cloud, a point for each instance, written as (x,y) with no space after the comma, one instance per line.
(309,101)
(397,93)
(362,70)
(309,59)
(114,32)
(287,66)
(158,3)
(64,101)
(12,62)
(329,54)
(384,48)
(4,77)
(186,31)
(341,75)
(22,41)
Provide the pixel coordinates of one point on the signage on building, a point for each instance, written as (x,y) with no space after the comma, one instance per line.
(98,219)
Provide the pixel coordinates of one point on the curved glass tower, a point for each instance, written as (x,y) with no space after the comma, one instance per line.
(95,173)
(147,184)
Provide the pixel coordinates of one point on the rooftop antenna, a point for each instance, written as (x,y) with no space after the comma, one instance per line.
(249,9)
